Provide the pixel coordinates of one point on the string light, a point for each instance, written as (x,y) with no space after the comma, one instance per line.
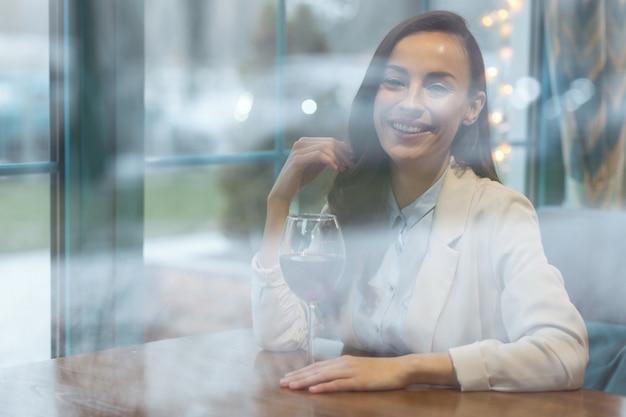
(506,29)
(501,152)
(506,53)
(505,89)
(496,117)
(500,19)
(498,155)
(491,73)
(515,5)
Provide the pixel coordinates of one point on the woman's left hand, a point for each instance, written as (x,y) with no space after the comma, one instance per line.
(349,373)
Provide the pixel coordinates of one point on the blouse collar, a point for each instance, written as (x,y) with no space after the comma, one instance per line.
(415,211)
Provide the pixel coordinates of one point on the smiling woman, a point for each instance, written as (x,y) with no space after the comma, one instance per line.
(445,272)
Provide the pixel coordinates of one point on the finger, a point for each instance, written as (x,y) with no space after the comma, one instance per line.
(320,161)
(331,149)
(299,375)
(346,154)
(337,385)
(340,153)
(314,376)
(315,155)
(316,380)
(343,152)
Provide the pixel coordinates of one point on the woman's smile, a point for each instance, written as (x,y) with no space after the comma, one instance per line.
(409,128)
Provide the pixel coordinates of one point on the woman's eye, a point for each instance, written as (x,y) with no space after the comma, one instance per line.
(393,82)
(438,90)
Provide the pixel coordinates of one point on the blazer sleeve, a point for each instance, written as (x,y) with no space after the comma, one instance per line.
(279,319)
(547,347)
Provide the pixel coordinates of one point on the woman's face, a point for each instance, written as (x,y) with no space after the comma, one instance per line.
(424,97)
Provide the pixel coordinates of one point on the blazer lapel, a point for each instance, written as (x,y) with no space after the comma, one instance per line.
(435,277)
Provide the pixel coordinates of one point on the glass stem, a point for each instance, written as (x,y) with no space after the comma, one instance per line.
(310,333)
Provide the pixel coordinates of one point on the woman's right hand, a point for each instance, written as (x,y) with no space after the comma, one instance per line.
(308,158)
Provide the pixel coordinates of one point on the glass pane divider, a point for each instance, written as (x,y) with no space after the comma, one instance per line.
(28,168)
(188,160)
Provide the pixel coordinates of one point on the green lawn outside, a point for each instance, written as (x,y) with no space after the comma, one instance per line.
(24,213)
(181,201)
(176,201)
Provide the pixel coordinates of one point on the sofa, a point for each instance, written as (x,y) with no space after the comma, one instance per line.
(589,248)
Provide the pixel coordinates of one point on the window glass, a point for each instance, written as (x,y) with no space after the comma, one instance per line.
(24,85)
(25,200)
(24,269)
(218,83)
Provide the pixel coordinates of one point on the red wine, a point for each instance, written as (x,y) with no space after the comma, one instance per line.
(311,276)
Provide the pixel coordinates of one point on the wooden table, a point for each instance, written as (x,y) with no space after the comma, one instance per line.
(226,375)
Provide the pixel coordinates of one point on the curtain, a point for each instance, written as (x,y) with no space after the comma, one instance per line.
(586,50)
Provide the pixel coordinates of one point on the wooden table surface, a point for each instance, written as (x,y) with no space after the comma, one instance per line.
(226,375)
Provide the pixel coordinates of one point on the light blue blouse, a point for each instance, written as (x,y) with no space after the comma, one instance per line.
(379,322)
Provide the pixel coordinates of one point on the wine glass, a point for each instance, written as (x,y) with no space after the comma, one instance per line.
(312,258)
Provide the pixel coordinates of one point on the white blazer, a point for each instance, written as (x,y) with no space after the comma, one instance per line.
(485,293)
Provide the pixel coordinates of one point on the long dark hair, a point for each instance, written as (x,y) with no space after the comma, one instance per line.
(359,195)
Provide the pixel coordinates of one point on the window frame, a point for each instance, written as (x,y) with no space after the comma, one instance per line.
(94,252)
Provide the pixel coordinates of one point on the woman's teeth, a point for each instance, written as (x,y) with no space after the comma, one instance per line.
(407,129)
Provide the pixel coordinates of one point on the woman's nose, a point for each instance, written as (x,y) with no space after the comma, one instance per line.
(413,99)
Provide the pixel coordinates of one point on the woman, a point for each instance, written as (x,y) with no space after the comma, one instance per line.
(455,284)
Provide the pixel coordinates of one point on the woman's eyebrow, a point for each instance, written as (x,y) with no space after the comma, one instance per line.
(434,74)
(441,74)
(396,68)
